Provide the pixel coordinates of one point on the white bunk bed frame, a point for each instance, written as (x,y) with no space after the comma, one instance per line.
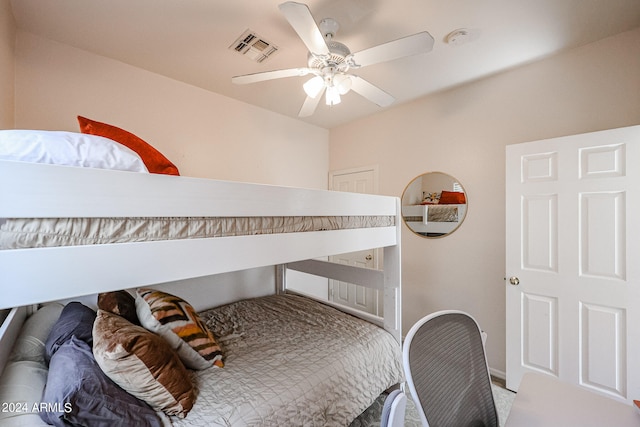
(32,276)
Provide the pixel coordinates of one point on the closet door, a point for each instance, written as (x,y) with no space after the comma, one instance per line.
(361,180)
(573,260)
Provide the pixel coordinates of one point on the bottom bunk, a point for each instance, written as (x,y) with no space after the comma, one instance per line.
(288,360)
(293,361)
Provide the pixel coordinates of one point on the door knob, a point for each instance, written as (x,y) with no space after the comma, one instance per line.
(369,257)
(514,280)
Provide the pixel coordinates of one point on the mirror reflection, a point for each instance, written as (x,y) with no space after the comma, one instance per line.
(434,204)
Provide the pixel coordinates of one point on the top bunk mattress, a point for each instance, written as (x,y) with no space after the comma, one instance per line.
(20,233)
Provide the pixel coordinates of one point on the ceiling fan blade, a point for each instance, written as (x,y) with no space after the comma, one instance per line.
(300,18)
(310,105)
(371,92)
(406,46)
(269,75)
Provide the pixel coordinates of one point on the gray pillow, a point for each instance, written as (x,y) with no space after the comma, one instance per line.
(76,320)
(81,394)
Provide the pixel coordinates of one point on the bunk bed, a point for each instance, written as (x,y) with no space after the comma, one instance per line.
(434,220)
(31,193)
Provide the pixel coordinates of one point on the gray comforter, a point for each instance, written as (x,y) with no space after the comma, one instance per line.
(291,361)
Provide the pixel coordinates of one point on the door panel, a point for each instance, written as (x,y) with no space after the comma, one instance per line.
(540,324)
(540,232)
(603,351)
(603,235)
(571,209)
(351,295)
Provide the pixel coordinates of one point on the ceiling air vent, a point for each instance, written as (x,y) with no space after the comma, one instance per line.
(253,46)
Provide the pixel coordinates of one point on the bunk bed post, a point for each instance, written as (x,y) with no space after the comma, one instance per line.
(392,309)
(9,330)
(281,279)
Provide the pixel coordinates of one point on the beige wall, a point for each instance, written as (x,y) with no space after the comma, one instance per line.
(464,132)
(7,65)
(203,133)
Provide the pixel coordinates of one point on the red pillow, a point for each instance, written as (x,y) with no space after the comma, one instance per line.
(152,158)
(452,198)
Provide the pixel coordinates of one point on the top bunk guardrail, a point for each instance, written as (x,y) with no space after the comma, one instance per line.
(36,275)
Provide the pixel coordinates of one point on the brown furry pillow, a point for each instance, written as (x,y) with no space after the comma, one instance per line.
(121,303)
(142,363)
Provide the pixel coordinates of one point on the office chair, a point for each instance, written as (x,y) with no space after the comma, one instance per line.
(447,373)
(394,409)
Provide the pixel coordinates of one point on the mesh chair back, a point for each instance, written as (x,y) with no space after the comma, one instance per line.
(446,368)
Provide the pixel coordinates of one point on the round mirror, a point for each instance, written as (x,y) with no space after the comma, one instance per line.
(434,204)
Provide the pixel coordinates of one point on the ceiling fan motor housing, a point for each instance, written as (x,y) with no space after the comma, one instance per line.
(338,53)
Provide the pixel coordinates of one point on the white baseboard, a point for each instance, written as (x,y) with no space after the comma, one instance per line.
(498,374)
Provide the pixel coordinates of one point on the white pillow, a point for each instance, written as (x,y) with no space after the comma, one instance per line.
(21,387)
(68,148)
(30,344)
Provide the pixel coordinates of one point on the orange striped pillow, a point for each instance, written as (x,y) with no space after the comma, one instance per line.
(176,320)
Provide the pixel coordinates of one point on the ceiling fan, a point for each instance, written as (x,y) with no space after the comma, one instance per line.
(331,62)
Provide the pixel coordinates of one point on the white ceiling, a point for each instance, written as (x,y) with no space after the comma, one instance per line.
(188,40)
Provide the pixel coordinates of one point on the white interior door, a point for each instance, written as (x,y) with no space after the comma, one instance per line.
(572,260)
(361,180)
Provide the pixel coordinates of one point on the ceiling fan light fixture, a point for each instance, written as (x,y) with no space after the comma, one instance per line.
(333,96)
(313,86)
(342,82)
